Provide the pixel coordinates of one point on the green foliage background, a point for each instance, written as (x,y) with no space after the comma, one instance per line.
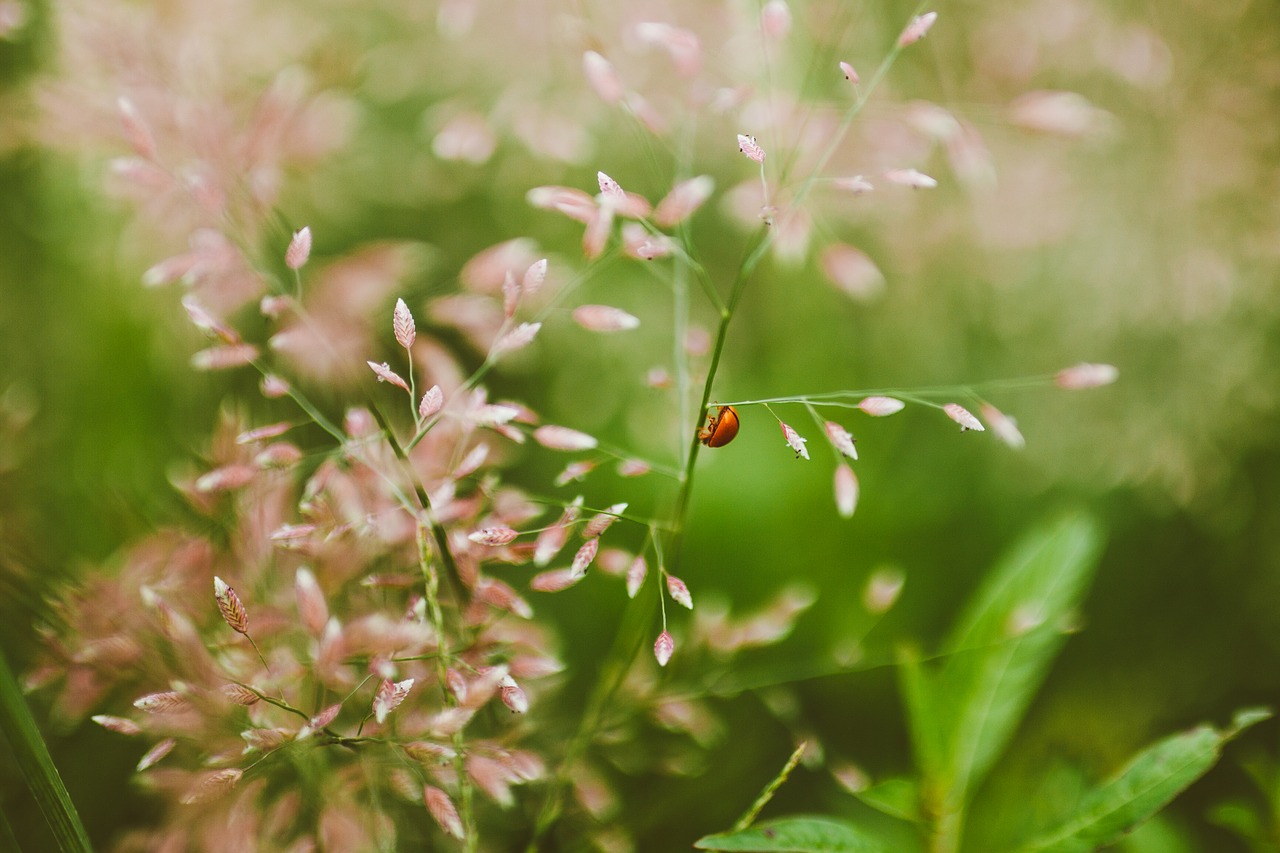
(1166,265)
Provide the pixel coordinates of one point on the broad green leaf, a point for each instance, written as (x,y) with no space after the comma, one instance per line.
(919,696)
(796,835)
(1003,644)
(1153,778)
(33,757)
(895,797)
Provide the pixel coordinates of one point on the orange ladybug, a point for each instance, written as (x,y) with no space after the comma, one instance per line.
(721,427)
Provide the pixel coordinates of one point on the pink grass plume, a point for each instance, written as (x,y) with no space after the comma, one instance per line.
(880,407)
(912,178)
(212,786)
(231,607)
(493,536)
(385,374)
(849,73)
(750,148)
(775,20)
(636,574)
(556,580)
(962,416)
(604,318)
(513,695)
(794,441)
(389,697)
(582,559)
(313,610)
(156,753)
(679,592)
(136,130)
(840,439)
(846,490)
(299,250)
(917,29)
(432,402)
(602,521)
(603,77)
(563,438)
(443,811)
(663,648)
(683,200)
(1003,427)
(402,325)
(1084,375)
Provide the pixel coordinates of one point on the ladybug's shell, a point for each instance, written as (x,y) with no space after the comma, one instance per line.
(723,428)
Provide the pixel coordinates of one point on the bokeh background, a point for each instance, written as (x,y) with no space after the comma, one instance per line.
(1137,225)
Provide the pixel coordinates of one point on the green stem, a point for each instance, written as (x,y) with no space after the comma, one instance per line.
(37,766)
(772,788)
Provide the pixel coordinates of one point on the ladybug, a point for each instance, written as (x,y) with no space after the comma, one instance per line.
(721,427)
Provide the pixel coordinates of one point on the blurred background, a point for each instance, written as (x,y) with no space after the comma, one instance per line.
(1108,176)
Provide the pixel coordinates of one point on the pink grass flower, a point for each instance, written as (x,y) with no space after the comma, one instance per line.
(534,277)
(224,357)
(389,697)
(750,148)
(231,607)
(563,438)
(513,695)
(273,387)
(603,77)
(849,73)
(228,478)
(575,471)
(917,29)
(663,648)
(638,242)
(432,402)
(846,490)
(570,201)
(164,702)
(683,200)
(680,44)
(209,324)
(402,325)
(313,610)
(325,718)
(299,250)
(556,580)
(136,130)
(775,20)
(443,811)
(852,271)
(858,185)
(841,439)
(1084,375)
(120,725)
(604,318)
(962,416)
(636,574)
(495,593)
(1004,427)
(582,559)
(601,522)
(278,455)
(633,468)
(385,374)
(879,407)
(794,441)
(679,592)
(518,338)
(212,786)
(154,755)
(551,540)
(1064,113)
(910,178)
(240,695)
(493,536)
(263,433)
(510,295)
(609,187)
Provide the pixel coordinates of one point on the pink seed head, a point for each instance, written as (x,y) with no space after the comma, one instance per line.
(910,178)
(518,338)
(582,559)
(117,724)
(385,374)
(684,198)
(604,318)
(312,607)
(389,697)
(443,811)
(230,605)
(841,439)
(1085,375)
(1004,427)
(563,438)
(556,580)
(882,591)
(432,402)
(273,387)
(856,185)
(603,77)
(775,20)
(636,574)
(794,441)
(962,416)
(155,753)
(601,522)
(224,357)
(211,786)
(534,277)
(513,695)
(493,536)
(663,648)
(402,325)
(748,146)
(846,487)
(679,592)
(609,187)
(849,74)
(879,407)
(917,29)
(299,251)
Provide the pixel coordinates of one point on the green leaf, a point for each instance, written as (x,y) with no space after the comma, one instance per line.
(33,758)
(895,797)
(1153,778)
(919,695)
(796,835)
(1003,644)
